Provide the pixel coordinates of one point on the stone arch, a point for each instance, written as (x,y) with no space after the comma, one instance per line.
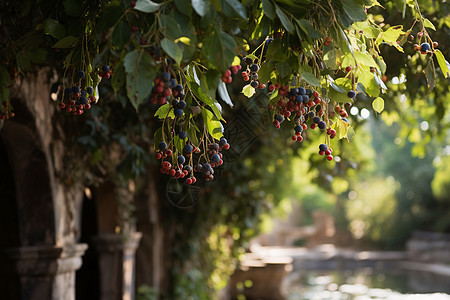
(45,253)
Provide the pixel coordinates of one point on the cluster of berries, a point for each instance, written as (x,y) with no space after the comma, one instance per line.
(76,100)
(6,111)
(325,150)
(341,111)
(226,77)
(106,72)
(425,48)
(251,73)
(165,87)
(183,164)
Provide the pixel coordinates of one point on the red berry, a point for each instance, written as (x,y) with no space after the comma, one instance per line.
(313,125)
(133,4)
(87,106)
(158,155)
(348,69)
(62,105)
(328,152)
(106,75)
(134,28)
(316,94)
(329,157)
(189,181)
(226,147)
(169,152)
(294,138)
(194,179)
(271,87)
(304,126)
(299,138)
(172,172)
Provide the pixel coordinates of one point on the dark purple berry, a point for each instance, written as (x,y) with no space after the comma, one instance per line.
(162,146)
(279,118)
(323,147)
(298,128)
(351,94)
(425,47)
(182,135)
(80,74)
(181,104)
(223,141)
(254,68)
(75,89)
(165,76)
(178,88)
(178,112)
(301,91)
(181,159)
(106,69)
(215,158)
(305,98)
(83,100)
(322,125)
(299,99)
(188,149)
(90,90)
(254,84)
(316,119)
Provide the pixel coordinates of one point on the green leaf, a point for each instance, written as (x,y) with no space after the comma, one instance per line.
(200,6)
(38,56)
(212,124)
(192,135)
(310,79)
(5,78)
(378,104)
(219,49)
(443,64)
(54,28)
(248,90)
(354,10)
(165,111)
(350,133)
(140,75)
(146,6)
(118,80)
(341,128)
(430,74)
(366,59)
(111,13)
(172,49)
(184,7)
(427,23)
(392,34)
(309,29)
(338,96)
(367,79)
(66,42)
(73,8)
(238,8)
(268,9)
(121,34)
(157,138)
(330,59)
(285,20)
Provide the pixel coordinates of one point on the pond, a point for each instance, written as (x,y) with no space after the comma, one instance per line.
(367,283)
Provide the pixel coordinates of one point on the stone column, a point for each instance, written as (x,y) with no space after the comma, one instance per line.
(117,265)
(47,272)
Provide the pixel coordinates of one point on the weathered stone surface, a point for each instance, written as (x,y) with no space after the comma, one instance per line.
(429,247)
(117,265)
(47,272)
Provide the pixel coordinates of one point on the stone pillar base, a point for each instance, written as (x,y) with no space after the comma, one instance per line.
(117,265)
(47,272)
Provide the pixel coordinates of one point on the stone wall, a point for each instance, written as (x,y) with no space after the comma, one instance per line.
(430,247)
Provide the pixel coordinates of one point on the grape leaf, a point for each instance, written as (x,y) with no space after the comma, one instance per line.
(212,124)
